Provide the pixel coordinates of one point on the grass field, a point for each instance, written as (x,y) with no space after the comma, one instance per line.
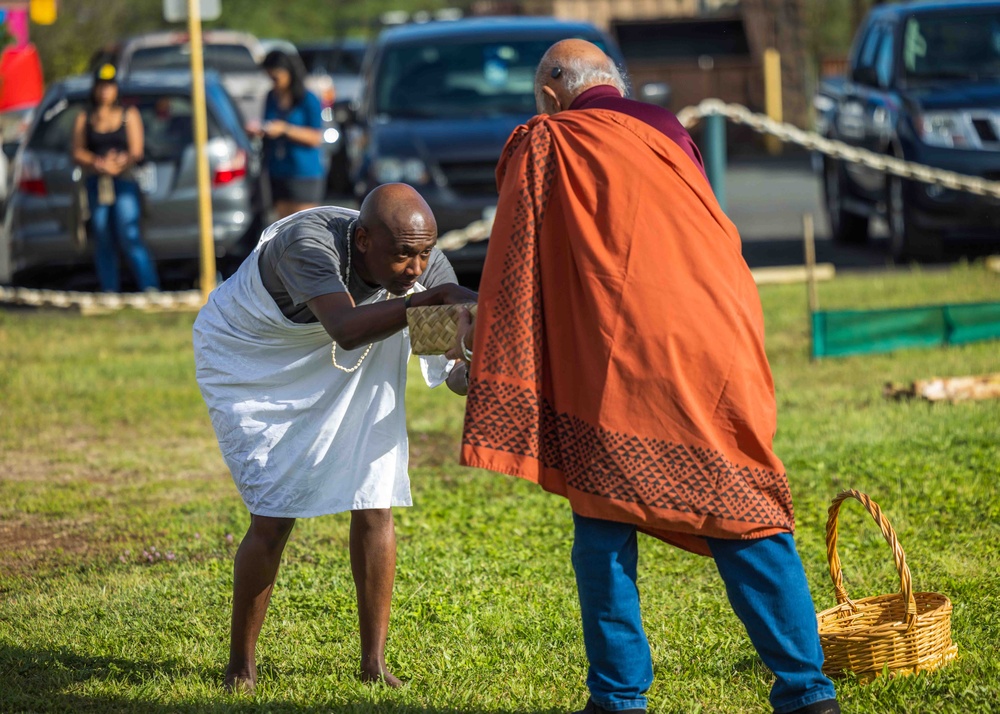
(118,525)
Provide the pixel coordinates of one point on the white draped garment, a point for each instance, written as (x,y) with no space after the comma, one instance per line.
(301,437)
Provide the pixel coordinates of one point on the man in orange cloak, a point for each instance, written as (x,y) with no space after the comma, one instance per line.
(619,362)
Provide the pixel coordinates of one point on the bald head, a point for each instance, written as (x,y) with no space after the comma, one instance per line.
(396,208)
(395,234)
(568,69)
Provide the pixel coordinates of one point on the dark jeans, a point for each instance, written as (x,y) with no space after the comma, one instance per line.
(766,586)
(118,225)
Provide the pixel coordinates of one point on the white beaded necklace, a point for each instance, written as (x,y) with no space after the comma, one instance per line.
(347,283)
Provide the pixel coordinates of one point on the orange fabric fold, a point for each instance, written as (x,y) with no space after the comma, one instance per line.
(619,349)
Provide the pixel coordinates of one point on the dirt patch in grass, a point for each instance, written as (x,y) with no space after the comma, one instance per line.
(33,546)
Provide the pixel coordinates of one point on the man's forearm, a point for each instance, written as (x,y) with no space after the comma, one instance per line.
(352,326)
(356,326)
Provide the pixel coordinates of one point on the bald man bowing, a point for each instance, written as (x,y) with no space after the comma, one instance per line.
(301,358)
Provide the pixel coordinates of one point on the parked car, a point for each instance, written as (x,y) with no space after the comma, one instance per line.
(13,125)
(341,62)
(439,101)
(923,85)
(235,56)
(42,221)
(338,63)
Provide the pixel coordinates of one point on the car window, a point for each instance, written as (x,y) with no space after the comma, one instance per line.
(333,60)
(349,61)
(866,59)
(965,46)
(166,120)
(459,79)
(225,110)
(220,57)
(884,58)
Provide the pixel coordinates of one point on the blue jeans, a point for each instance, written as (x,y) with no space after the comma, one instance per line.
(766,586)
(118,225)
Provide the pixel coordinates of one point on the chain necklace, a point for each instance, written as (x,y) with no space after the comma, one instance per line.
(348,285)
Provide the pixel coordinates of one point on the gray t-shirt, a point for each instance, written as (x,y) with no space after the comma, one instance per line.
(307,258)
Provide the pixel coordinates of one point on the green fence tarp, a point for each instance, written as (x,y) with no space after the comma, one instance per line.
(847,332)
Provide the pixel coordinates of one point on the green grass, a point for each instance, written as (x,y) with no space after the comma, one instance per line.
(106,452)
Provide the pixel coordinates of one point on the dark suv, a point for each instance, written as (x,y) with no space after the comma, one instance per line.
(438,102)
(923,85)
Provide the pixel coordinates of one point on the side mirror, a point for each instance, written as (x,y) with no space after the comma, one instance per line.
(655,93)
(345,113)
(10,149)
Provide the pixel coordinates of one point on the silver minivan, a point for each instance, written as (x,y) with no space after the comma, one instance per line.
(44,234)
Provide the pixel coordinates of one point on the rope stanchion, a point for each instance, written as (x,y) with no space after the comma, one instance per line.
(789,133)
(100,302)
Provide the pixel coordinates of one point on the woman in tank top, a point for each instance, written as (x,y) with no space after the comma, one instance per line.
(107,143)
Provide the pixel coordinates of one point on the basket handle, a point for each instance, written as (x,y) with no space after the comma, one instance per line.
(837,573)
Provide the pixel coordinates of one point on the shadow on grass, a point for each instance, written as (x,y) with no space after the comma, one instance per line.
(51,680)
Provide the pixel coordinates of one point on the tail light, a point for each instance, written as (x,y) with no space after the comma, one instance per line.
(231,169)
(31,180)
(329,95)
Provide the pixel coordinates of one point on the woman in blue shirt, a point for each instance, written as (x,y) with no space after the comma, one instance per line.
(292,132)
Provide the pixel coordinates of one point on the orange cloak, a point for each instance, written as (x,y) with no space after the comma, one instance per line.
(619,348)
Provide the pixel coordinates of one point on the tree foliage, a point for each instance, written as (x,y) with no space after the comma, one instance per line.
(83,26)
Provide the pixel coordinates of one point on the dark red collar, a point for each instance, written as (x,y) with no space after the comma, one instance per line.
(601,91)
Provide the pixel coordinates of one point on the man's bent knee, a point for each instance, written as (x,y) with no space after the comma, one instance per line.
(272,531)
(373,518)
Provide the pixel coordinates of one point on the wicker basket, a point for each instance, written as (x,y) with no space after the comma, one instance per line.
(433,327)
(901,633)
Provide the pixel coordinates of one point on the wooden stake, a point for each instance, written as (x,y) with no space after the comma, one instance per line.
(809,239)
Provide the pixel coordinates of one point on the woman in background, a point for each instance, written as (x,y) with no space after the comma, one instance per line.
(292,132)
(107,144)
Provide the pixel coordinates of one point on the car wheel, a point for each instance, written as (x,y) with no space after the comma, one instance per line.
(846,227)
(905,240)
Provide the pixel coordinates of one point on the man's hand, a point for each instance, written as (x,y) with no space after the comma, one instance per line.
(465,334)
(458,379)
(447,294)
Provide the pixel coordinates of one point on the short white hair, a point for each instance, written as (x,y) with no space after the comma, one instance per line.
(577,74)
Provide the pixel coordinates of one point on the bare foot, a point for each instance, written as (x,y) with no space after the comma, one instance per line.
(380,675)
(240,682)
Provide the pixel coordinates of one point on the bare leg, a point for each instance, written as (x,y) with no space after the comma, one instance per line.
(373,563)
(256,568)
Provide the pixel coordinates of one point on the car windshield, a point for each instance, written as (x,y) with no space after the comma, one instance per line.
(333,60)
(967,46)
(459,79)
(166,121)
(222,58)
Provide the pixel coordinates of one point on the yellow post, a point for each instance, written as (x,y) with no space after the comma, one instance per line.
(200,141)
(772,95)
